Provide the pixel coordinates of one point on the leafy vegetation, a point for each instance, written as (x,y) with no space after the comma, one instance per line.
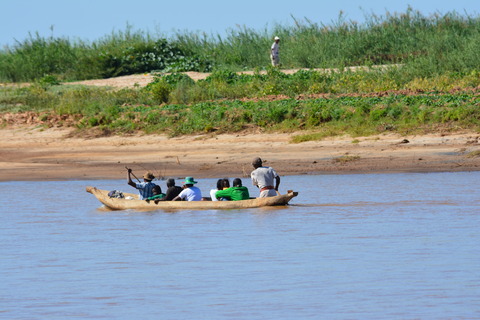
(431,81)
(129,110)
(120,53)
(425,45)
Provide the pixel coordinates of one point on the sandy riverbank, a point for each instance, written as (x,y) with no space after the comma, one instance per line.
(27,153)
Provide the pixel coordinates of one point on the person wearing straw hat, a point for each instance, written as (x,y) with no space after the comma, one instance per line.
(190,192)
(264,177)
(275,52)
(144,188)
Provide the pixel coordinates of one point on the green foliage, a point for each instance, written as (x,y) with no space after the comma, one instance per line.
(222,76)
(176,84)
(426,46)
(120,53)
(48,81)
(147,56)
(176,78)
(160,90)
(120,111)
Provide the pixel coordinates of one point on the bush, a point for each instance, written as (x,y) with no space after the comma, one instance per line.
(161,90)
(222,76)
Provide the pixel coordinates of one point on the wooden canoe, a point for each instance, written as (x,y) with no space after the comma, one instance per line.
(123,204)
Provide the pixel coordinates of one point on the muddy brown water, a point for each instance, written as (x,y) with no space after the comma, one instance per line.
(370,246)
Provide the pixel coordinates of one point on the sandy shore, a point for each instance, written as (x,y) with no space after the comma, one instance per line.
(142,80)
(28,153)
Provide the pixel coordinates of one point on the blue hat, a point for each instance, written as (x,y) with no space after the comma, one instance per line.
(189,180)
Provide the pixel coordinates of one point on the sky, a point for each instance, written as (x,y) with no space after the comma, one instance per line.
(90,20)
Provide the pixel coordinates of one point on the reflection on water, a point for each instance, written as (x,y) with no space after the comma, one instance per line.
(386,246)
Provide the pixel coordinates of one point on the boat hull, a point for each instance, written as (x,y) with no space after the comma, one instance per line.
(124,204)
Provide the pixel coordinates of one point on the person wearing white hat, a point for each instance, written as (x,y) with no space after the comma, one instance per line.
(274,52)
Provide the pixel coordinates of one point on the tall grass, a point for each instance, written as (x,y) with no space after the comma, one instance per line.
(433,43)
(427,45)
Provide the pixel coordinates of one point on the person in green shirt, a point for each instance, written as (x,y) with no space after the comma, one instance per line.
(235,193)
(157,194)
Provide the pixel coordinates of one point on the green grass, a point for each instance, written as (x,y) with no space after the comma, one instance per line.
(130,110)
(425,45)
(228,85)
(438,54)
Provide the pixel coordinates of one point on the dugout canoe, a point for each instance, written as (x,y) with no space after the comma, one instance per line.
(124,204)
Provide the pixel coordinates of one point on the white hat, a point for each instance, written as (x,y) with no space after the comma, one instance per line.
(276,38)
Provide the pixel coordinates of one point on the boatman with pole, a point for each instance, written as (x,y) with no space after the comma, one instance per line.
(145,188)
(264,178)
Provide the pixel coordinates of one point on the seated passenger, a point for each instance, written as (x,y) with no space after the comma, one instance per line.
(213,191)
(172,191)
(235,193)
(190,192)
(225,183)
(157,194)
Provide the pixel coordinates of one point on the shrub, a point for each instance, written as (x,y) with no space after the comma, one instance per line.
(160,89)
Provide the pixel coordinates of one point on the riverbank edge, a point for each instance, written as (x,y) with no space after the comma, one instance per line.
(36,154)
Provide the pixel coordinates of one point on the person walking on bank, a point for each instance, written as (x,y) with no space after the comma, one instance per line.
(264,178)
(144,188)
(275,52)
(190,192)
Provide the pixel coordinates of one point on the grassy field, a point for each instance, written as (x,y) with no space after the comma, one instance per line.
(176,105)
(435,87)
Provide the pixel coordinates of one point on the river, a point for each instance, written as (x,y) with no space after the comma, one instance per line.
(368,246)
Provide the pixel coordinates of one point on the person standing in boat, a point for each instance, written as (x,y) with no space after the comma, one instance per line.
(264,178)
(235,193)
(190,192)
(172,191)
(144,188)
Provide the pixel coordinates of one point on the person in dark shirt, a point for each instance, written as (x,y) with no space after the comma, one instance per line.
(172,191)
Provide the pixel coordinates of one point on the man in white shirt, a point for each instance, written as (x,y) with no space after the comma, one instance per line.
(190,193)
(274,52)
(264,177)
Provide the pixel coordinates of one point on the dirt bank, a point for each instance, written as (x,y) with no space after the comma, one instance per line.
(28,153)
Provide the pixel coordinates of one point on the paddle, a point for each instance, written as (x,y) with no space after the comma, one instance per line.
(132,174)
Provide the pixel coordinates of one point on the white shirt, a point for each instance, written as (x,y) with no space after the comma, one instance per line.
(263,177)
(212,194)
(275,49)
(191,194)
